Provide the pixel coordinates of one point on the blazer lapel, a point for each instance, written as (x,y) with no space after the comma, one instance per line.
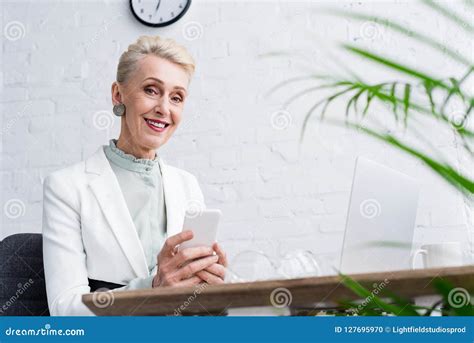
(107,191)
(174,200)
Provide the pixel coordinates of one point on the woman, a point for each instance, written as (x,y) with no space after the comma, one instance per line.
(115,219)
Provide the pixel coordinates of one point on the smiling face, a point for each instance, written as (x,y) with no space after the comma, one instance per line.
(154,99)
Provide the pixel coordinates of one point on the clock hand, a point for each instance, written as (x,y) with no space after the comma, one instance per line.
(158,6)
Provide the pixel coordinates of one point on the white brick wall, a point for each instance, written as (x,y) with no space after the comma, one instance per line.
(56,81)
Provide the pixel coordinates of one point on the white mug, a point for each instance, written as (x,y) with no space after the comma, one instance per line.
(439,255)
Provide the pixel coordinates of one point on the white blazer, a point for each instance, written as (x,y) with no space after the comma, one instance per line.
(88,231)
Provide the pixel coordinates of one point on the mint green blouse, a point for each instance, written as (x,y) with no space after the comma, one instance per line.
(141,184)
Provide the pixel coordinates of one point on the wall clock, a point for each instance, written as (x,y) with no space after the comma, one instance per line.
(158,13)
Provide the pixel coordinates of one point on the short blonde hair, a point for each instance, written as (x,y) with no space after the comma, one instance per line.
(165,48)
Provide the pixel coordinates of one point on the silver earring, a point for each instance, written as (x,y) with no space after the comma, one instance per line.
(119,110)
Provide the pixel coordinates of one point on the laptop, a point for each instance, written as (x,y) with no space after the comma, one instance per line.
(380,220)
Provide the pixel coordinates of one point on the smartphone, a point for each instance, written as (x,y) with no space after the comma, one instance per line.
(204,227)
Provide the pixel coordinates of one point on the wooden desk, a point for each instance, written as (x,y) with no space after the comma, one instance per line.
(213,299)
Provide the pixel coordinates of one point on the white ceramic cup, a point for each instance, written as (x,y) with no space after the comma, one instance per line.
(439,255)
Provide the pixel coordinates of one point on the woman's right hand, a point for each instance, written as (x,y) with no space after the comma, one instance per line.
(180,268)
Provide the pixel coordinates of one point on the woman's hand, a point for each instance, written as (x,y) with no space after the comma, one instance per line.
(180,268)
(215,273)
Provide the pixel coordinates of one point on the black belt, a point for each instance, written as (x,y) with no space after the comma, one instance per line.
(96,284)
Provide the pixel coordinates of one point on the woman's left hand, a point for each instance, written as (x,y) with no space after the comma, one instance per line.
(215,273)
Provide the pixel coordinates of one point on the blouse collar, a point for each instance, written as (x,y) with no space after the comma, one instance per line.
(128,161)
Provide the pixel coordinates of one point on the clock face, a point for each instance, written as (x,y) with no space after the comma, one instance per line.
(159,12)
